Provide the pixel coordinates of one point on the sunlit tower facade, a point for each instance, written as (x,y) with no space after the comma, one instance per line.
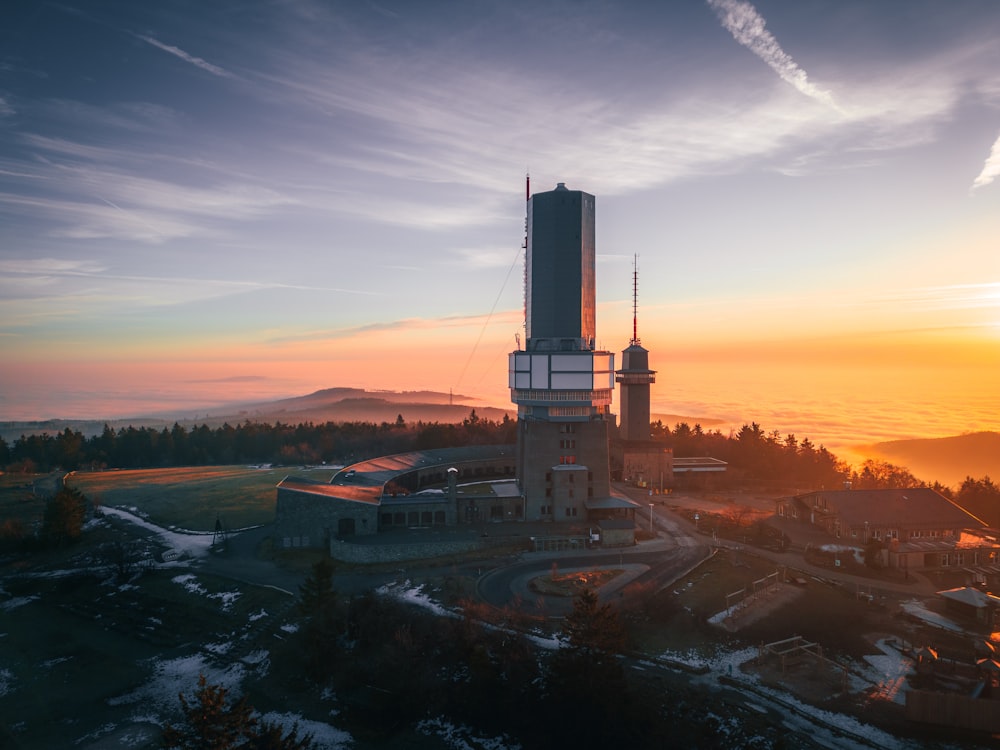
(562,385)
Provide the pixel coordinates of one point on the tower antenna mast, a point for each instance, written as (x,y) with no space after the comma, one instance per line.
(635,300)
(524,246)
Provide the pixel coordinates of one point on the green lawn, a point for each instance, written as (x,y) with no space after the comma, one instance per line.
(18,499)
(191,497)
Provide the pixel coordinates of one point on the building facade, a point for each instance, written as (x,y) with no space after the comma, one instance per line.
(562,385)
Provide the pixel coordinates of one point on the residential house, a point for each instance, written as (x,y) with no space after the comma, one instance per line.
(918,527)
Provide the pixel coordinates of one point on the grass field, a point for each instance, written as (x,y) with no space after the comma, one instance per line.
(23,497)
(192,497)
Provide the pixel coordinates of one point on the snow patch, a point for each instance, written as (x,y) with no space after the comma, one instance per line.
(190,584)
(460,737)
(920,611)
(172,677)
(325,737)
(17,601)
(189,543)
(6,681)
(228,598)
(414,595)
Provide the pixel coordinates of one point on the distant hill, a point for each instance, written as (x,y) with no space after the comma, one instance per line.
(947,460)
(358,405)
(327,405)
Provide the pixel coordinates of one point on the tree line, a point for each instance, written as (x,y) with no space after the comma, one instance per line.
(755,457)
(249,442)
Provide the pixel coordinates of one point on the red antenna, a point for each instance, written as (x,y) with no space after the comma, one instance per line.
(635,300)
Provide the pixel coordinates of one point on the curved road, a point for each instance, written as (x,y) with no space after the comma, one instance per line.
(659,562)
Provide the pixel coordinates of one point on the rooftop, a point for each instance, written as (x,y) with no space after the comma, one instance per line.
(911,507)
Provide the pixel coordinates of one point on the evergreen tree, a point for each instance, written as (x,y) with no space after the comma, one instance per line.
(62,521)
(588,684)
(318,603)
(212,723)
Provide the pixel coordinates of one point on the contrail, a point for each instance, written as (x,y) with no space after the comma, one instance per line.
(748,28)
(178,52)
(991,169)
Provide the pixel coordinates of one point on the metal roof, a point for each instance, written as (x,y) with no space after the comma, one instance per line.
(912,507)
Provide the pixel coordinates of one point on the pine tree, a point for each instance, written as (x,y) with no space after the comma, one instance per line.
(318,603)
(587,684)
(62,521)
(210,722)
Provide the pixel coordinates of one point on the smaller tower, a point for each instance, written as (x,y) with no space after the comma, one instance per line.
(635,377)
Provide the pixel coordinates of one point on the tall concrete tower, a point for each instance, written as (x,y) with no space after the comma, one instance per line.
(643,462)
(561,384)
(635,377)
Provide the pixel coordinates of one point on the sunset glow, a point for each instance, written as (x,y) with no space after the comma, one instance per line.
(231,203)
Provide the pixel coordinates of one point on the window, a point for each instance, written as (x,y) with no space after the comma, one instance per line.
(548,476)
(548,492)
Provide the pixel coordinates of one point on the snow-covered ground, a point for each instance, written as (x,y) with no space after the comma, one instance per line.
(919,610)
(187,543)
(830,729)
(156,700)
(460,737)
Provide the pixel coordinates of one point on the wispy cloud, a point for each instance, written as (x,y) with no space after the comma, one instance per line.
(991,169)
(403,325)
(196,61)
(748,28)
(952,296)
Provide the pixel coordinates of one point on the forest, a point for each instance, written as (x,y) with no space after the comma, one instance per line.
(756,458)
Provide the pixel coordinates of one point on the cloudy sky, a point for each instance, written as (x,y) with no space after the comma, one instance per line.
(230,199)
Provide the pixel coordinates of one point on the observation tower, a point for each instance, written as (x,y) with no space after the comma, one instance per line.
(561,383)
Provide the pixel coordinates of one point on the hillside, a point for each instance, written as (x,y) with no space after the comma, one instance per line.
(947,460)
(327,405)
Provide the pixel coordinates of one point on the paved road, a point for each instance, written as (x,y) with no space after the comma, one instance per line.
(660,562)
(677,548)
